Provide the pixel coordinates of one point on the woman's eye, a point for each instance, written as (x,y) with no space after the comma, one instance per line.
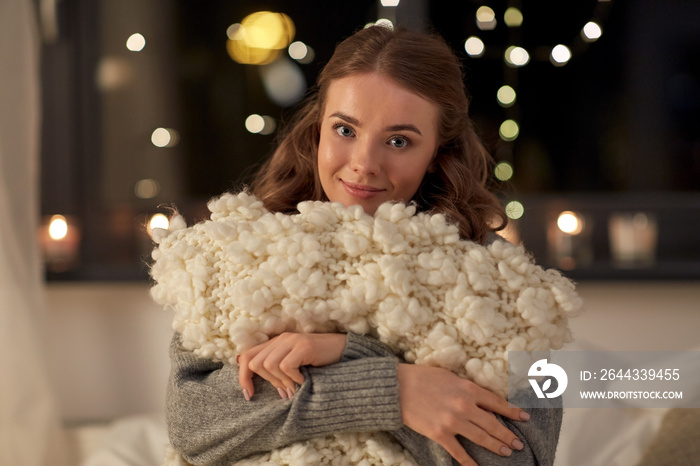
(344,131)
(399,142)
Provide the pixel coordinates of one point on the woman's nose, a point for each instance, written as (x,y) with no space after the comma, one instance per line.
(364,160)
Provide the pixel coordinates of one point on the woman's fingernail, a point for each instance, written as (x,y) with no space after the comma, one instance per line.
(282,392)
(246,395)
(524,416)
(505,451)
(290,393)
(517,444)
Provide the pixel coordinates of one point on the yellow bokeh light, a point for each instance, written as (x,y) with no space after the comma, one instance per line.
(258,39)
(570,223)
(485,18)
(241,53)
(158,221)
(234,31)
(506,96)
(267,30)
(515,210)
(513,17)
(509,130)
(58,227)
(503,171)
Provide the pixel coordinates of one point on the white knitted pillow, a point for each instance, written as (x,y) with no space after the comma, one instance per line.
(405,277)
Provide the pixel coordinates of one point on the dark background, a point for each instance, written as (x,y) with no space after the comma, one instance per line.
(616,129)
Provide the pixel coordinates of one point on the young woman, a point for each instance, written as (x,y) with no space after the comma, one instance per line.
(388,121)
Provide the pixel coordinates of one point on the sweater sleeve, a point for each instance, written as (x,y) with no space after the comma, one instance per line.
(209,421)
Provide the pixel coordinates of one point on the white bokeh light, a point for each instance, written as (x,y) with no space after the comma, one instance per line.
(136,42)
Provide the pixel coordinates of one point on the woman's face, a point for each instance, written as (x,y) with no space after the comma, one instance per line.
(377,141)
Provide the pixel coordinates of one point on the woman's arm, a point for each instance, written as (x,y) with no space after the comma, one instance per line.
(210,422)
(434,401)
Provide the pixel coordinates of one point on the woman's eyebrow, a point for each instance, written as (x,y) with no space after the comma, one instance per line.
(348,118)
(356,122)
(405,127)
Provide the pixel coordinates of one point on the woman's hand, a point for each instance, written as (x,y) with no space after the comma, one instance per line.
(278,360)
(440,405)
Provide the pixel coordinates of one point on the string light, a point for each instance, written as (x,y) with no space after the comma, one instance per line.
(560,55)
(506,96)
(515,210)
(503,171)
(513,17)
(591,31)
(474,46)
(516,55)
(485,18)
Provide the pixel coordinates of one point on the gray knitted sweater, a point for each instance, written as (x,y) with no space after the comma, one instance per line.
(210,423)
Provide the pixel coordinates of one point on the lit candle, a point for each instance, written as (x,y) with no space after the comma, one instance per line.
(59,239)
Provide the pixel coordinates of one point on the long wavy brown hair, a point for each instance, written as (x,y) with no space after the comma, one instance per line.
(426,65)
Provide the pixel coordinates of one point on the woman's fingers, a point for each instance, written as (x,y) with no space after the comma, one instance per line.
(488,403)
(496,404)
(440,405)
(278,360)
(264,360)
(245,379)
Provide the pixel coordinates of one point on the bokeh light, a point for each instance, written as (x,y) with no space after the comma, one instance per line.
(258,39)
(503,171)
(506,96)
(560,55)
(509,130)
(147,188)
(513,17)
(485,18)
(165,137)
(254,123)
(58,227)
(591,31)
(158,221)
(283,81)
(260,124)
(570,223)
(515,210)
(301,52)
(136,42)
(516,56)
(474,46)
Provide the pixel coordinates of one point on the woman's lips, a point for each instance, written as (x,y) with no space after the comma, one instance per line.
(361,191)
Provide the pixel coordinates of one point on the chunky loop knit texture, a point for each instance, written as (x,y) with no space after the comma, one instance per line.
(404,277)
